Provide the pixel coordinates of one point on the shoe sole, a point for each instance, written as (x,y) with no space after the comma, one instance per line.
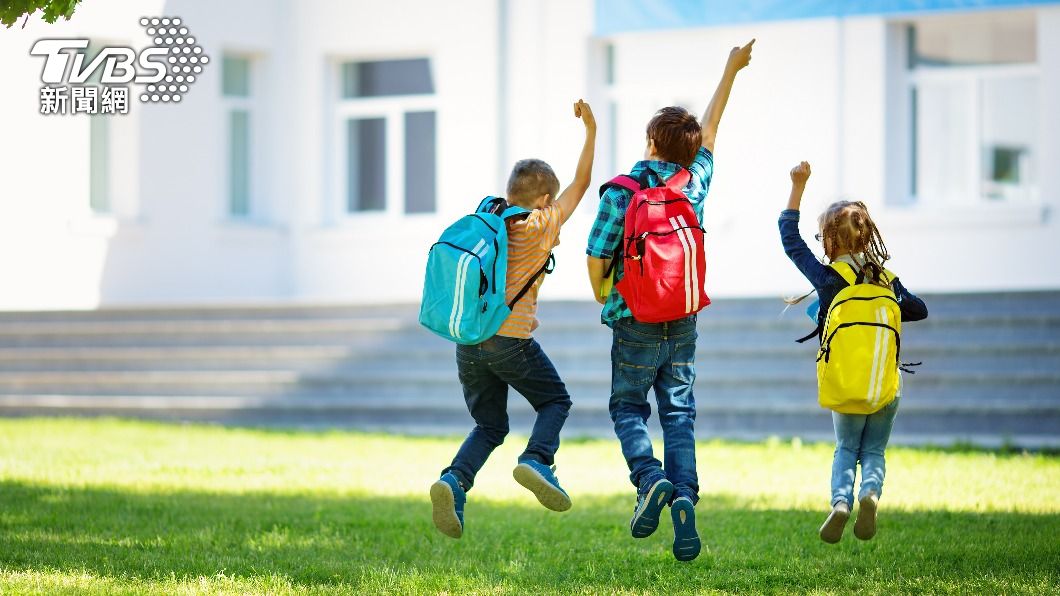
(547,494)
(832,530)
(865,524)
(686,540)
(444,514)
(646,519)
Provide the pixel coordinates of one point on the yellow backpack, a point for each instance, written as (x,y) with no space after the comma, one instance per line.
(857,365)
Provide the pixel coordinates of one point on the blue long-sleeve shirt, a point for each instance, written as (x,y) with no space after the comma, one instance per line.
(827,281)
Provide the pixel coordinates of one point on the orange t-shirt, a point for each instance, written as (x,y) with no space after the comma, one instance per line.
(530,240)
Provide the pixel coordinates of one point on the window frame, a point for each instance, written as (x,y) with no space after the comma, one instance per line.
(912,78)
(256,208)
(100,188)
(392,109)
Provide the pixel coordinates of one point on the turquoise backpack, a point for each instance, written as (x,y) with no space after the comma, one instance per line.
(464,287)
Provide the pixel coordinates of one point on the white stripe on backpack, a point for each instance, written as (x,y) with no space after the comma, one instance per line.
(686,249)
(884,350)
(458,292)
(694,267)
(872,395)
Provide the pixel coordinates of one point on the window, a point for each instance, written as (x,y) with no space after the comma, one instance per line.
(99,147)
(99,163)
(236,88)
(973,108)
(609,111)
(387,119)
(366,167)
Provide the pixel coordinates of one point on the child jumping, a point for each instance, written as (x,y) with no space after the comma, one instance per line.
(659,354)
(858,366)
(512,358)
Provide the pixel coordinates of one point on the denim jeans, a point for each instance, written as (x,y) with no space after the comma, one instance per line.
(660,356)
(860,437)
(486,371)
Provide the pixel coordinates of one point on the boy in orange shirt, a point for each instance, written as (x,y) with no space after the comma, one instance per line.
(512,358)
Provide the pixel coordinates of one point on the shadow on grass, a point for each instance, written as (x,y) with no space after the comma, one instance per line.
(388,544)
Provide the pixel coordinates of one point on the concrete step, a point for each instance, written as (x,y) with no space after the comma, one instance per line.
(971,388)
(991,372)
(380,333)
(940,305)
(789,359)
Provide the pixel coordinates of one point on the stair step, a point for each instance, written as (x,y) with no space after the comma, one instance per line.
(991,368)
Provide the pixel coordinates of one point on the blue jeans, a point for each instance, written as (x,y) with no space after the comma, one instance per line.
(659,355)
(486,371)
(860,437)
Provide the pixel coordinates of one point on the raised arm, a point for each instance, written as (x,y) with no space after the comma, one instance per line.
(794,246)
(571,196)
(800,174)
(738,58)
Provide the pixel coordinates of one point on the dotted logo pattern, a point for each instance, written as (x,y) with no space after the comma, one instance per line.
(185,59)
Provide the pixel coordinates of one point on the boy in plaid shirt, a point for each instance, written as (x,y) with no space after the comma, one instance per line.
(660,355)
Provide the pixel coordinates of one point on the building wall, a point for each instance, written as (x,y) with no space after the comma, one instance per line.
(505,75)
(835,102)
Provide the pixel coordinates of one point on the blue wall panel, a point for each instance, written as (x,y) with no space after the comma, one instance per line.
(621,16)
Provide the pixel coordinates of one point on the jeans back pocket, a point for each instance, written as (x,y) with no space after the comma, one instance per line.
(636,362)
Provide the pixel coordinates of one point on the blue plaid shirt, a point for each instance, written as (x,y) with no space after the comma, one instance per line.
(605,238)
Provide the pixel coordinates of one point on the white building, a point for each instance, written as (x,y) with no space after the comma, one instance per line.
(328,143)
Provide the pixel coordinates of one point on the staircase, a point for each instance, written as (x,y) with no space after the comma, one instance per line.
(991,372)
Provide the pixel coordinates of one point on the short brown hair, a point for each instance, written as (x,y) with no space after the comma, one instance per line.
(531,178)
(677,135)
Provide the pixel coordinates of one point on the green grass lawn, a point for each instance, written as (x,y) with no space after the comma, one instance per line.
(110,506)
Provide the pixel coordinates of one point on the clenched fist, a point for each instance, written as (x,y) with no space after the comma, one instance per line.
(800,173)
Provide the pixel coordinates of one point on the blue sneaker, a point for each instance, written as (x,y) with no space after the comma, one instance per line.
(649,504)
(540,480)
(686,539)
(448,500)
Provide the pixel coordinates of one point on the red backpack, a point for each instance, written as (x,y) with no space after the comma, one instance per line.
(662,251)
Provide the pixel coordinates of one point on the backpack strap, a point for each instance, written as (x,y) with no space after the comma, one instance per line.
(847,271)
(679,180)
(624,182)
(514,212)
(491,204)
(676,182)
(548,267)
(850,275)
(815,333)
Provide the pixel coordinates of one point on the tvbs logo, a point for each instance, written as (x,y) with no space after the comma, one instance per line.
(165,69)
(118,64)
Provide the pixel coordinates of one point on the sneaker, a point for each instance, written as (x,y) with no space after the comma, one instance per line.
(541,480)
(832,530)
(686,539)
(649,504)
(447,498)
(865,524)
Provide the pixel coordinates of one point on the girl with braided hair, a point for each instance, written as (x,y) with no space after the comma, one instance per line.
(848,235)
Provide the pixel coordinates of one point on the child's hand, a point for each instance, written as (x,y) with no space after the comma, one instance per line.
(583,111)
(800,174)
(740,57)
